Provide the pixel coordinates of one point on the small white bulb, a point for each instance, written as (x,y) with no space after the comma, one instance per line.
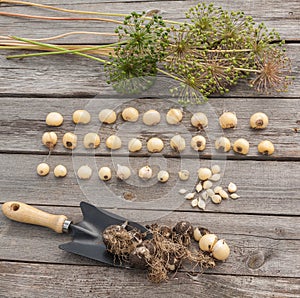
(43,169)
(151,117)
(204,173)
(163,176)
(174,116)
(145,173)
(123,172)
(130,114)
(81,116)
(199,120)
(220,250)
(105,173)
(113,142)
(177,143)
(84,172)
(54,119)
(60,171)
(134,145)
(107,116)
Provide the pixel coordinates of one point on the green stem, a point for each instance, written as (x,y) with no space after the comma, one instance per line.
(64,51)
(58,48)
(170,75)
(229,51)
(247,70)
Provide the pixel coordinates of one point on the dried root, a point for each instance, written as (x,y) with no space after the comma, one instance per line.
(164,252)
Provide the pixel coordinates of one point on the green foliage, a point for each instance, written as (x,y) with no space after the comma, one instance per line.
(142,44)
(207,54)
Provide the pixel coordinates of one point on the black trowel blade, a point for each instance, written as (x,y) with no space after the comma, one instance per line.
(87,234)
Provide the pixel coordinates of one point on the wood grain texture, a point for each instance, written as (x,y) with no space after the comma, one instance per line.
(90,281)
(261,227)
(68,75)
(22,124)
(285,19)
(258,244)
(261,185)
(24,213)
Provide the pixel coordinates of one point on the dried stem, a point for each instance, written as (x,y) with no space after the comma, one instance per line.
(26,16)
(50,7)
(58,48)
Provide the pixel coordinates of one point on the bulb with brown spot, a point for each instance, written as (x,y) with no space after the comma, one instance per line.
(70,140)
(259,120)
(266,147)
(241,146)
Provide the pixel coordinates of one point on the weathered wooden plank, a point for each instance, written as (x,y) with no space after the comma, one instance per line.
(77,281)
(260,245)
(265,187)
(284,19)
(23,123)
(77,76)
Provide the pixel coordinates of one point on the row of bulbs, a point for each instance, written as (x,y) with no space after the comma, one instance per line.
(155,144)
(113,142)
(92,140)
(105,173)
(152,117)
(108,116)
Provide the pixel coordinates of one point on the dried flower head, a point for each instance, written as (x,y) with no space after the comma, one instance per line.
(274,72)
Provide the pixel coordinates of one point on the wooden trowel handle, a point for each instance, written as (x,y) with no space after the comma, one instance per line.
(27,214)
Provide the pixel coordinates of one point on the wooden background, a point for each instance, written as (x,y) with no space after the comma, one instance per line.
(261,227)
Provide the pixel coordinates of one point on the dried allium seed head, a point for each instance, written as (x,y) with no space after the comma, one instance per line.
(274,71)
